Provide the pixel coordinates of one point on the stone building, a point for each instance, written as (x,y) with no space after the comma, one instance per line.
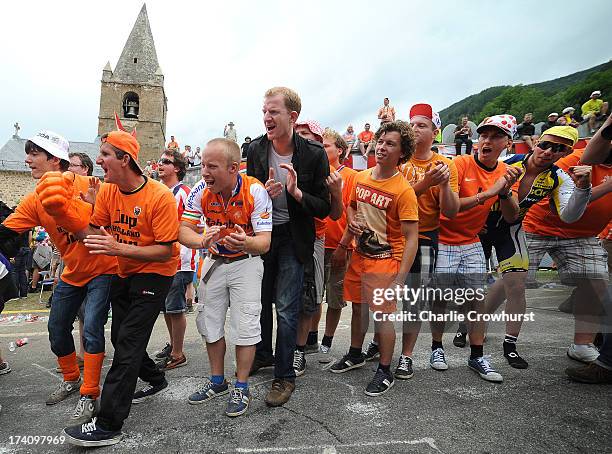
(135,91)
(15,178)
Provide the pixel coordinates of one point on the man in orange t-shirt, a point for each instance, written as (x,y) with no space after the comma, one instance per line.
(134,220)
(580,258)
(383,214)
(310,314)
(337,247)
(47,153)
(461,262)
(365,137)
(434,180)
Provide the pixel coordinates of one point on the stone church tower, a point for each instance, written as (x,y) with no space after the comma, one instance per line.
(135,91)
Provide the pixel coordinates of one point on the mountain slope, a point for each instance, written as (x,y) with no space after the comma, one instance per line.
(540,98)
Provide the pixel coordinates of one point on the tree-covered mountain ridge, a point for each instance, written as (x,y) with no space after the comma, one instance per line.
(540,98)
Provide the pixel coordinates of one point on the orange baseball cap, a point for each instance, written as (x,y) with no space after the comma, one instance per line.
(126,142)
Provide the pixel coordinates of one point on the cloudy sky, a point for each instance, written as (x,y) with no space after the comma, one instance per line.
(343,57)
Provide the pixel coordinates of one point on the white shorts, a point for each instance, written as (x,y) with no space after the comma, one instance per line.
(237,285)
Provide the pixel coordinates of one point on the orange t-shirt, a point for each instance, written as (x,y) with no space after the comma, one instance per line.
(542,221)
(80,266)
(320,224)
(606,233)
(335,229)
(144,217)
(473,178)
(365,136)
(382,205)
(429,201)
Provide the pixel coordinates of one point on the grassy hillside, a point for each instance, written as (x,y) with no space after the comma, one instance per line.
(541,98)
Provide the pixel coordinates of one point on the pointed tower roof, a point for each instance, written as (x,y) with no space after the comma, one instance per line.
(138,62)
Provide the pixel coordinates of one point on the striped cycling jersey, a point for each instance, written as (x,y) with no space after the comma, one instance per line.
(249,206)
(552,182)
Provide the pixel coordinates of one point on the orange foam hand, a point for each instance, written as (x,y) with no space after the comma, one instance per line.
(60,200)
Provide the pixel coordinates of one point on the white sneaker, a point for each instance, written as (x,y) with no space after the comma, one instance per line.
(583,353)
(86,409)
(325,356)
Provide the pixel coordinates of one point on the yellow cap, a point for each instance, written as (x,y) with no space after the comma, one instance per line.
(566,132)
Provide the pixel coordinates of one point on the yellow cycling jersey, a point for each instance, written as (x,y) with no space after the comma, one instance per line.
(552,182)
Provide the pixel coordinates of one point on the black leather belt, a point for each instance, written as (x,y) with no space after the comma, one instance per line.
(224,259)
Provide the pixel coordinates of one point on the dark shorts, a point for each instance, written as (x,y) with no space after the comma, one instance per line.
(175,301)
(510,247)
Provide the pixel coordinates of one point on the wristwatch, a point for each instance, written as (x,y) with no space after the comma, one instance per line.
(506,195)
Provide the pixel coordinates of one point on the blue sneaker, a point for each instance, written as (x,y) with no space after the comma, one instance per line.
(437,360)
(483,367)
(91,435)
(208,391)
(239,402)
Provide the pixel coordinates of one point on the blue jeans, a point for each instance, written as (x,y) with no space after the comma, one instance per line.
(282,284)
(67,299)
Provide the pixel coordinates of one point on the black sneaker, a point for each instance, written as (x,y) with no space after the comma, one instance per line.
(91,435)
(380,384)
(148,391)
(372,352)
(515,360)
(164,352)
(346,363)
(261,363)
(299,363)
(404,368)
(460,339)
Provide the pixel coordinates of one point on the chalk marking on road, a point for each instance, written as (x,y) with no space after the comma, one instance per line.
(53,374)
(332,448)
(253,385)
(340,382)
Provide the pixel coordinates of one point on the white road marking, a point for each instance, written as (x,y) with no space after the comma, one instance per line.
(53,374)
(333,448)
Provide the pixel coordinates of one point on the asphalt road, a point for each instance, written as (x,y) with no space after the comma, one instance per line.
(533,410)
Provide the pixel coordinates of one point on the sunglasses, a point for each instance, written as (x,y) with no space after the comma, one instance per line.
(554,147)
(165,162)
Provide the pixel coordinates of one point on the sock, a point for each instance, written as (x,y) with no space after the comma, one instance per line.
(91,374)
(313,338)
(384,368)
(300,348)
(476,351)
(435,345)
(242,385)
(217,379)
(510,339)
(374,342)
(69,366)
(509,344)
(355,352)
(327,340)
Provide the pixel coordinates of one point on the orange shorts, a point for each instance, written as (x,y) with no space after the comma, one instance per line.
(367,278)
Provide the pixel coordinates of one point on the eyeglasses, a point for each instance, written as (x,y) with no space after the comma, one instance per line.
(165,162)
(554,147)
(76,165)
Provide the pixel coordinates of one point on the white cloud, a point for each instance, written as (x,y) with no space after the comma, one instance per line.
(342,57)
